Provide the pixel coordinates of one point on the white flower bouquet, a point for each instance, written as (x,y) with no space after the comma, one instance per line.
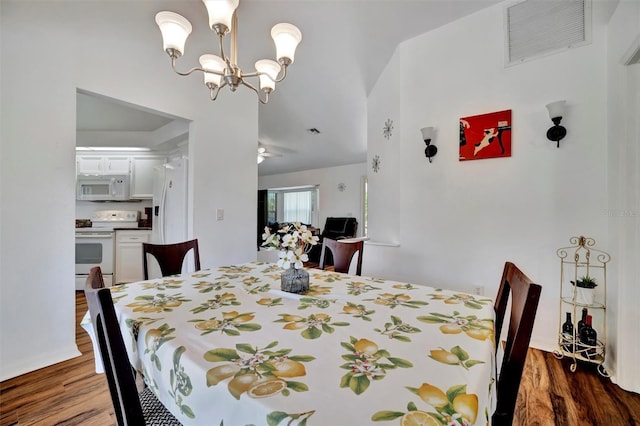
(294,242)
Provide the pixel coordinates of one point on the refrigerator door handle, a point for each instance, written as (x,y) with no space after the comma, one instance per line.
(163,208)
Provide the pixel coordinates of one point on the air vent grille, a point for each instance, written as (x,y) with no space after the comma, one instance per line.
(537,28)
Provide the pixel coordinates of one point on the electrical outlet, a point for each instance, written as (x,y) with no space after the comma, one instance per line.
(220,214)
(478,290)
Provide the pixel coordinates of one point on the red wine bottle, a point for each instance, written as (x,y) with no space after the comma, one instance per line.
(589,337)
(567,334)
(582,322)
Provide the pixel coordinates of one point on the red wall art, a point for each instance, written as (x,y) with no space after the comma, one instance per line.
(485,136)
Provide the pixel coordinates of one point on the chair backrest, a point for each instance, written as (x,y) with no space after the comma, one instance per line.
(343,253)
(95,278)
(340,227)
(170,257)
(524,304)
(122,385)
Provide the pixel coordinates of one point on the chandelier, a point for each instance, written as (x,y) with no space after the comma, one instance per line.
(222,70)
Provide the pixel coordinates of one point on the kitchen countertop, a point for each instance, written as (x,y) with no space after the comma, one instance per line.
(140,228)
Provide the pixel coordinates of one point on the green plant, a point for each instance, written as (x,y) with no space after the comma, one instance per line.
(586,282)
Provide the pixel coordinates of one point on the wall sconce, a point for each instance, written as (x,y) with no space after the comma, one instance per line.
(557,132)
(431,150)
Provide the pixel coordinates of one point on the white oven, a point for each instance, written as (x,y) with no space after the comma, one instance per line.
(94,247)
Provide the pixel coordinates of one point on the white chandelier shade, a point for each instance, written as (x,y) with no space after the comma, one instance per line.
(269,71)
(212,63)
(286,38)
(175,30)
(221,70)
(220,13)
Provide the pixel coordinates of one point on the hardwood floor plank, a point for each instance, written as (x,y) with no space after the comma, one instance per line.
(71,393)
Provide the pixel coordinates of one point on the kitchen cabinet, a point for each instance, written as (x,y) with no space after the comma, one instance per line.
(103,165)
(128,266)
(142,176)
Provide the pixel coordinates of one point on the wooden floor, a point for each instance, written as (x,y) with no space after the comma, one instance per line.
(70,393)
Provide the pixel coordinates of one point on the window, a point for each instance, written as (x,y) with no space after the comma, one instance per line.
(298,206)
(365,207)
(272,207)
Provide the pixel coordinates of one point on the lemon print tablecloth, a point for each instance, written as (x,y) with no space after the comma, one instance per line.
(227,347)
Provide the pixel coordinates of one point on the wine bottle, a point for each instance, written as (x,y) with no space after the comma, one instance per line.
(582,322)
(567,334)
(589,337)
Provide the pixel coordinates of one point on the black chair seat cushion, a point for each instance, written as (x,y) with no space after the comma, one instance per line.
(155,414)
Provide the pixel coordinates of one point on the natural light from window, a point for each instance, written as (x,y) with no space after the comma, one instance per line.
(298,206)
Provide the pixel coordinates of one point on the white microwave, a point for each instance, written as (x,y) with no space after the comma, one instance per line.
(102,188)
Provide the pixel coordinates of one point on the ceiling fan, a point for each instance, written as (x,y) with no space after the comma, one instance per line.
(262,154)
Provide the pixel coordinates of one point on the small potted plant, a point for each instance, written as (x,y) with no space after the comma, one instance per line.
(584,289)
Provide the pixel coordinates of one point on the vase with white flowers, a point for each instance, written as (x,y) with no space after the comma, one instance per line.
(293,241)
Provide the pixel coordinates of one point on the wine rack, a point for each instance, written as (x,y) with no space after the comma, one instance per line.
(578,261)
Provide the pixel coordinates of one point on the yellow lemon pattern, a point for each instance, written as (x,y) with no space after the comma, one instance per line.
(312,326)
(252,366)
(453,407)
(456,323)
(367,362)
(393,353)
(231,323)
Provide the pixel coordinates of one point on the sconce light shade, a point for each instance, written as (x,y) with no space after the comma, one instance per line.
(427,135)
(557,132)
(556,109)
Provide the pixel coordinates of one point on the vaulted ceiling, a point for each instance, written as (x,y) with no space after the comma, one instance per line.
(345,46)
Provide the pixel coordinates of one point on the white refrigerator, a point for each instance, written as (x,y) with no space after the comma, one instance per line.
(170,202)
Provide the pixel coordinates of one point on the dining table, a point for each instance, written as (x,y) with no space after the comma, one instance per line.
(225,346)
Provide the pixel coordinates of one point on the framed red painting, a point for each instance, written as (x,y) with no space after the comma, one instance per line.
(485,136)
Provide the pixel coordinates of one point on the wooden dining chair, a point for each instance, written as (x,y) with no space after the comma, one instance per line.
(170,257)
(524,304)
(131,407)
(342,253)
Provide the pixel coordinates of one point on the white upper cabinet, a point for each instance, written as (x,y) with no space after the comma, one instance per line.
(139,168)
(97,165)
(142,176)
(117,165)
(89,165)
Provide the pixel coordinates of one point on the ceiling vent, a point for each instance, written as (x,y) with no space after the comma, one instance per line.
(537,28)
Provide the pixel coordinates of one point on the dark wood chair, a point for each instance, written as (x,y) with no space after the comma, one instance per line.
(170,257)
(524,304)
(342,252)
(131,407)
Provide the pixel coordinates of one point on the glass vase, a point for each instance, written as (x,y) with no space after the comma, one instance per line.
(294,280)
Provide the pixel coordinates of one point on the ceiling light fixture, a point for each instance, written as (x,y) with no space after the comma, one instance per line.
(220,71)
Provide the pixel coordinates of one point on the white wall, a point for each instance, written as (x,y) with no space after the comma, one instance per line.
(458,222)
(623,105)
(49,49)
(332,202)
(384,184)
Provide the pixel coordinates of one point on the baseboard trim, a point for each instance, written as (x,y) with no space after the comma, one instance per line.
(36,363)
